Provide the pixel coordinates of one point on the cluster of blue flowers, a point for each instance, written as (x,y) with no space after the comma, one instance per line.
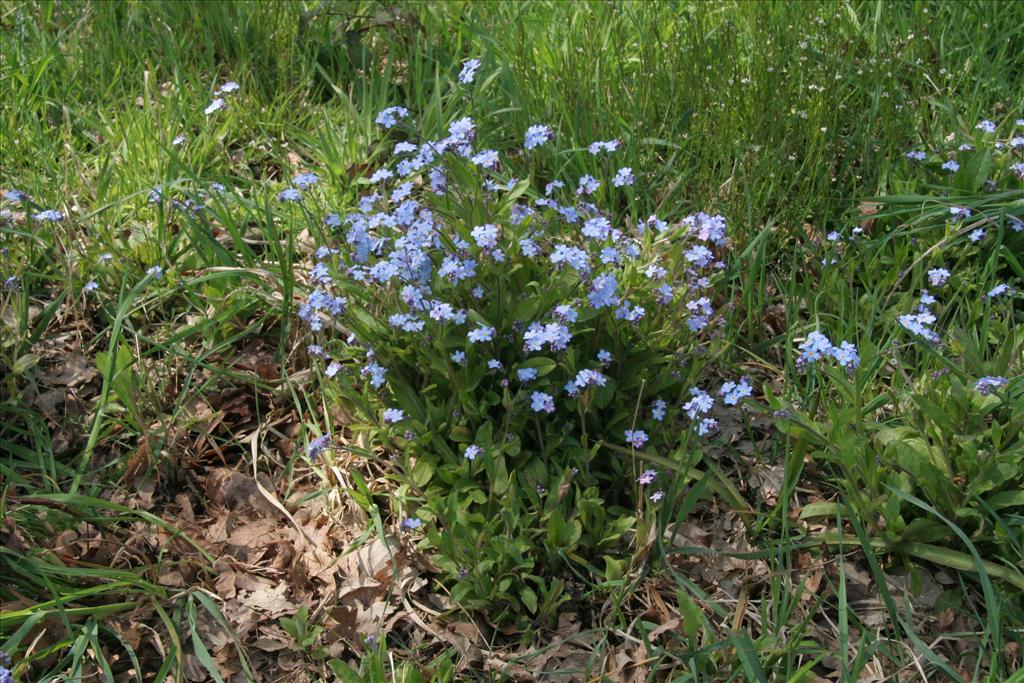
(433,278)
(817,347)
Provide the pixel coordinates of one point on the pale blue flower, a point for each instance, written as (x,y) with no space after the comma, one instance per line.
(537,135)
(952,166)
(214,106)
(733,392)
(915,155)
(539,401)
(487,158)
(50,216)
(623,177)
(468,72)
(483,333)
(485,236)
(648,476)
(637,438)
(606,145)
(317,446)
(658,410)
(938,277)
(472,451)
(388,118)
(986,385)
(846,356)
(526,374)
(816,347)
(588,185)
(602,292)
(998,290)
(459,357)
(986,127)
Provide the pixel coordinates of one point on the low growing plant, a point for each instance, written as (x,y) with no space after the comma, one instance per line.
(520,354)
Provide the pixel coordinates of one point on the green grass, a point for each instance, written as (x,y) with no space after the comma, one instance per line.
(784,117)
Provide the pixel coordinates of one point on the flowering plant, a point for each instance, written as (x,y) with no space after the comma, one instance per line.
(515,350)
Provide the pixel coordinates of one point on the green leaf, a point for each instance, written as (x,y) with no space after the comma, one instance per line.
(529,599)
(344,672)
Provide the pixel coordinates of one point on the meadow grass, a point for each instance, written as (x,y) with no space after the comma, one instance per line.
(790,119)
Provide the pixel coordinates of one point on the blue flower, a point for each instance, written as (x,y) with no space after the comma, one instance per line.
(648,476)
(977,235)
(607,145)
(228,87)
(951,166)
(537,135)
(289,195)
(637,438)
(986,385)
(472,451)
(604,356)
(915,155)
(318,446)
(485,236)
(918,323)
(459,357)
(388,118)
(528,247)
(393,415)
(986,127)
(938,277)
(526,374)
(381,174)
(487,158)
(816,347)
(998,290)
(602,291)
(597,228)
(91,286)
(411,523)
(50,216)
(578,259)
(215,106)
(658,410)
(846,356)
(495,364)
(375,373)
(305,180)
(539,401)
(733,392)
(588,185)
(483,333)
(468,72)
(156,271)
(624,176)
(699,255)
(700,403)
(566,313)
